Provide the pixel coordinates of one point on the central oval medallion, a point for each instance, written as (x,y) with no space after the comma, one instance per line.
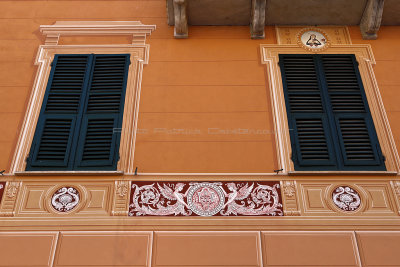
(206,199)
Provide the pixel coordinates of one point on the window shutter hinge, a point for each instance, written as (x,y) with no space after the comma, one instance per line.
(51,64)
(383,158)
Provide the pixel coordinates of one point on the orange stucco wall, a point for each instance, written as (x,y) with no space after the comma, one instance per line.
(205,108)
(205,105)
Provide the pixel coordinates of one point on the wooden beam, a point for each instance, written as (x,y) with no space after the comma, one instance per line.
(181,21)
(257,22)
(371,19)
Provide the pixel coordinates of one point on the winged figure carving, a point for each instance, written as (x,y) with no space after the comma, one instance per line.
(236,194)
(173,195)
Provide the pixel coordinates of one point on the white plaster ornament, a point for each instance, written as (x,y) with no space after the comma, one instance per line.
(346,198)
(65,199)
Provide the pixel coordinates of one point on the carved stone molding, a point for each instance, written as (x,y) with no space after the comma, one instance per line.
(121,198)
(289,196)
(396,189)
(12,189)
(52,198)
(371,19)
(138,30)
(121,188)
(181,19)
(347,197)
(9,199)
(257,22)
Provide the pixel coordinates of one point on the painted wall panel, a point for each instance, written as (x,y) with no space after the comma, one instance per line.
(103,249)
(206,249)
(309,249)
(379,248)
(27,248)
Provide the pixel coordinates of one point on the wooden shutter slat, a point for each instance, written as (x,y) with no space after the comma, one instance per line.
(67,84)
(309,128)
(53,144)
(100,133)
(357,141)
(355,130)
(312,144)
(54,140)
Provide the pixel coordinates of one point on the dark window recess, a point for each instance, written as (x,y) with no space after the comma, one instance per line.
(80,120)
(330,124)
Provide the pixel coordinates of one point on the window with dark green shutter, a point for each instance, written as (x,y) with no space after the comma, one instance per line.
(81,116)
(330,123)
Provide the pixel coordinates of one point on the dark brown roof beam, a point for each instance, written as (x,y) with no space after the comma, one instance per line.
(181,19)
(257,22)
(371,19)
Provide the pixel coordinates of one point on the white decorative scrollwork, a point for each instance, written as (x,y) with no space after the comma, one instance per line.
(346,198)
(289,188)
(65,199)
(12,189)
(205,199)
(122,188)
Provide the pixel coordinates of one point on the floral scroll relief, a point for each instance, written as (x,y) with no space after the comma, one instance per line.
(205,199)
(346,198)
(65,199)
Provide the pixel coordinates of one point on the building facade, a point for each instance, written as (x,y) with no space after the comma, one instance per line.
(199,133)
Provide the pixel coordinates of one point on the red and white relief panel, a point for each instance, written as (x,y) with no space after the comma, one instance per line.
(205,199)
(346,198)
(2,186)
(65,199)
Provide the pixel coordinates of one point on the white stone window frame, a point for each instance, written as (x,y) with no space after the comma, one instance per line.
(366,60)
(139,52)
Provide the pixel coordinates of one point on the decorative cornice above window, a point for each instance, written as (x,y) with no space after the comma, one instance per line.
(138,30)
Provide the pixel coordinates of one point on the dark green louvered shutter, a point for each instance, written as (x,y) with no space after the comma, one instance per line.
(330,123)
(358,142)
(81,117)
(100,133)
(308,123)
(52,146)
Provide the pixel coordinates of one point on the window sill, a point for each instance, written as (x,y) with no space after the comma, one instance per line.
(67,173)
(389,173)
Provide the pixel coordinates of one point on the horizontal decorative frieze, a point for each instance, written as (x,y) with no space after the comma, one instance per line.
(248,198)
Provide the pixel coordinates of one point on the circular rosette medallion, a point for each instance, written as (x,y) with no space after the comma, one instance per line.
(65,199)
(346,198)
(206,199)
(313,39)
